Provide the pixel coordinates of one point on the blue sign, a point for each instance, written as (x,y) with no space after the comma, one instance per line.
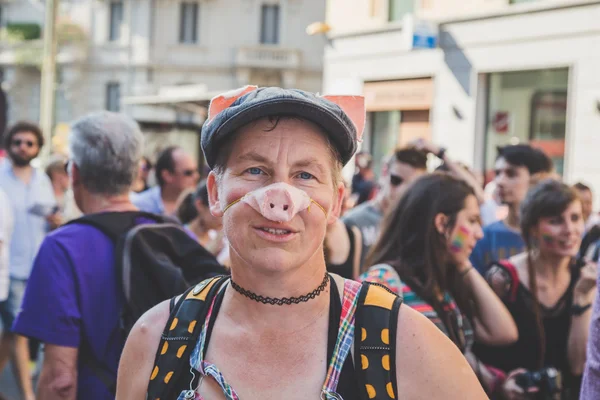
(421,41)
(425,35)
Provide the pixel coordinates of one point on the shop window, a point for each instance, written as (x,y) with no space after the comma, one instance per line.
(527,107)
(399,8)
(549,123)
(382,136)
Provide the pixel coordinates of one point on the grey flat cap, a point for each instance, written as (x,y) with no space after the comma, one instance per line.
(274,101)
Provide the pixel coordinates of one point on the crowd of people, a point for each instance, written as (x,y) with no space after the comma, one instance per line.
(456,290)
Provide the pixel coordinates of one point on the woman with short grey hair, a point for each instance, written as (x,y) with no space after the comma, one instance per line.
(107,148)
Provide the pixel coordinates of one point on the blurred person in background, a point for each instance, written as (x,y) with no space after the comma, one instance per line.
(141,181)
(517,167)
(72,303)
(57,172)
(175,172)
(549,295)
(195,214)
(363,182)
(448,165)
(492,210)
(34,210)
(406,165)
(587,202)
(423,254)
(343,243)
(6,228)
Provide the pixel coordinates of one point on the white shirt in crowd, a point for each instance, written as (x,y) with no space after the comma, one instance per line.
(6,228)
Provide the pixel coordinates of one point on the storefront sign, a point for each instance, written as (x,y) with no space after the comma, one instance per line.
(501,122)
(410,94)
(425,35)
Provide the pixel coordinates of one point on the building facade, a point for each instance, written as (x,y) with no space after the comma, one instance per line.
(110,50)
(474,75)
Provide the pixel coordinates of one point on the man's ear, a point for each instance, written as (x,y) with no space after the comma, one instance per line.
(441,223)
(213,195)
(338,200)
(74,173)
(166,176)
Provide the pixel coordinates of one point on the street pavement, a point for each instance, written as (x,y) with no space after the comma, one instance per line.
(8,384)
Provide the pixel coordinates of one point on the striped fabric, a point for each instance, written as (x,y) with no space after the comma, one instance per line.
(344,339)
(206,368)
(386,275)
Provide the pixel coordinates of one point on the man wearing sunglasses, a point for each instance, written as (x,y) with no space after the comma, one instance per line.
(403,167)
(33,204)
(175,171)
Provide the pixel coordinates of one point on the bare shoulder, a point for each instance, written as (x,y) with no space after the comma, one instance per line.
(428,364)
(138,355)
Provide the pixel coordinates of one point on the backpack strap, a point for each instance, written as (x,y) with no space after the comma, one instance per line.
(510,276)
(179,338)
(375,341)
(116,224)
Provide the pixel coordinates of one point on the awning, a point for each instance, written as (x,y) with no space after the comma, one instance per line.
(190,98)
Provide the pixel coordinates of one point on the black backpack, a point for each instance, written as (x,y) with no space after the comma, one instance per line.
(374,340)
(154,262)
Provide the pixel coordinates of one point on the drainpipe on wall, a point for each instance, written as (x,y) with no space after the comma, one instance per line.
(48,79)
(130,69)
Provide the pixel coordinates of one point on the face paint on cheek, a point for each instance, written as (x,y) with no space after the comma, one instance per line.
(547,238)
(458,243)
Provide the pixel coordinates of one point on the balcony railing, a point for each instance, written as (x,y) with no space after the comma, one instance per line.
(268,57)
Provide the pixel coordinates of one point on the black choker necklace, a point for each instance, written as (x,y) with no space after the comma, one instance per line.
(284,300)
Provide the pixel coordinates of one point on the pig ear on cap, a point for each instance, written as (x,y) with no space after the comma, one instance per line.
(354,107)
(224,100)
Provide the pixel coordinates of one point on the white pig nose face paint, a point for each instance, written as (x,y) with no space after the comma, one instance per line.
(279,202)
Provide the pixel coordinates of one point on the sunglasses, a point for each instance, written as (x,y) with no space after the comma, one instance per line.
(189,172)
(396,180)
(19,142)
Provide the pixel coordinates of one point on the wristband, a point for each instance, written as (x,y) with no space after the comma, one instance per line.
(465,272)
(578,310)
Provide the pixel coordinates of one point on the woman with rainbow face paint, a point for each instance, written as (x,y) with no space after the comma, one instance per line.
(549,294)
(423,253)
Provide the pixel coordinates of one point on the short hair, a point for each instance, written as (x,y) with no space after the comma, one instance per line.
(165,162)
(412,156)
(57,164)
(20,127)
(107,148)
(149,165)
(582,187)
(523,155)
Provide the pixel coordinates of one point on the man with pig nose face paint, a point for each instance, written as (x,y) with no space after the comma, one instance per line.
(281,326)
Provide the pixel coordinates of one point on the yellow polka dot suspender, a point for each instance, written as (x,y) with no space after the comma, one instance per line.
(372,308)
(376,320)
